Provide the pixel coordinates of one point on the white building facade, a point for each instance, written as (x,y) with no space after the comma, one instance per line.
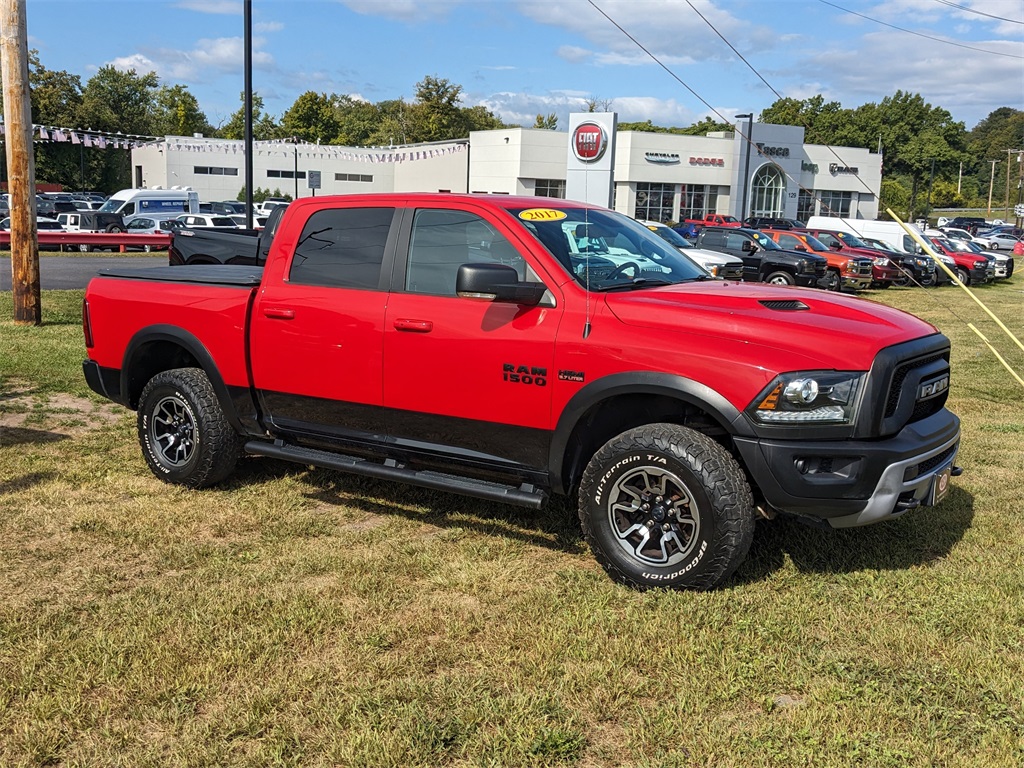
(658,176)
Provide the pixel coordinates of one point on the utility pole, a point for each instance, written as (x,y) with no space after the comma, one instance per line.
(21,171)
(991,182)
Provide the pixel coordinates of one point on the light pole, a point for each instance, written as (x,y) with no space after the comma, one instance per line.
(746,163)
(295,173)
(928,205)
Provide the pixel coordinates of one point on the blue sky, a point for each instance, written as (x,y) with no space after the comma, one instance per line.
(521,58)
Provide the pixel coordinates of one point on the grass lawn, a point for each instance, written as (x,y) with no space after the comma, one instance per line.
(298,617)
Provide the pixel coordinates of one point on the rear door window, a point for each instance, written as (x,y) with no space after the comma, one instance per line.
(342,247)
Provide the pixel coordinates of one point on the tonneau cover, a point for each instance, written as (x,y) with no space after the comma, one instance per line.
(213,274)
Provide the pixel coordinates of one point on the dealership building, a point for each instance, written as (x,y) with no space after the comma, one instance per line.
(659,176)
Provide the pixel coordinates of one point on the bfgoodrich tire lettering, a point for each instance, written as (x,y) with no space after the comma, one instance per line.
(184,434)
(665,506)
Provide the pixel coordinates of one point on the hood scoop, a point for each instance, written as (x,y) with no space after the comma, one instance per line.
(784,305)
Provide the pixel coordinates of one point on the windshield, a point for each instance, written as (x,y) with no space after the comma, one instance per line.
(852,240)
(111,206)
(766,242)
(605,250)
(671,236)
(815,244)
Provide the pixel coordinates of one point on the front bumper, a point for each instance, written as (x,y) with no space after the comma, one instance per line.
(854,482)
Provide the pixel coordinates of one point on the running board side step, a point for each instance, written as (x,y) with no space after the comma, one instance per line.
(525,495)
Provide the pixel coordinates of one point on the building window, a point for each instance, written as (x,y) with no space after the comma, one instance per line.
(697,200)
(210,170)
(549,188)
(767,189)
(836,204)
(285,174)
(805,205)
(353,177)
(655,202)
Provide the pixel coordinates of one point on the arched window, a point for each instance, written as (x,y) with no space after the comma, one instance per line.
(767,189)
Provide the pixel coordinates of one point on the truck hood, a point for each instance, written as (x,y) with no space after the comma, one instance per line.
(828,330)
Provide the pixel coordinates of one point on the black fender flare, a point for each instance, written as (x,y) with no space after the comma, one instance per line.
(194,347)
(670,385)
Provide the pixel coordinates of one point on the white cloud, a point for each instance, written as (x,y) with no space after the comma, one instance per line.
(200,64)
(268,26)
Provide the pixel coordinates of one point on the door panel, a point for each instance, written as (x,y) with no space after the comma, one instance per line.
(454,367)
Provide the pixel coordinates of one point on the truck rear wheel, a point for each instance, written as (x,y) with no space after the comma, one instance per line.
(184,434)
(665,506)
(780,278)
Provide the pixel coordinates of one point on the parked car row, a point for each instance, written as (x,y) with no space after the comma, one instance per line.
(837,254)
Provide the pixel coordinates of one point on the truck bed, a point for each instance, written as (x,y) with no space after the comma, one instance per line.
(209,274)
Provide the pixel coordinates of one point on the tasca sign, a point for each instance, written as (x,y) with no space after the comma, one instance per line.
(589,142)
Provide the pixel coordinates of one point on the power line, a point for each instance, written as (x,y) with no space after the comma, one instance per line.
(733,48)
(921,34)
(980,13)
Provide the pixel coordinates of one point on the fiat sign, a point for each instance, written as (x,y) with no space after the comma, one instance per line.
(589,142)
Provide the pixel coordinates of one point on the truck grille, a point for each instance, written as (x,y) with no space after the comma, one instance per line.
(918,388)
(862,268)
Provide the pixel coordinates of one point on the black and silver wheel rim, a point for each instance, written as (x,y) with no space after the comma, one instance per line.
(653,516)
(175,438)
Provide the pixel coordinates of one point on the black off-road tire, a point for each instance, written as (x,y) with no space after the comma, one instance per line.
(185,436)
(780,278)
(665,506)
(963,275)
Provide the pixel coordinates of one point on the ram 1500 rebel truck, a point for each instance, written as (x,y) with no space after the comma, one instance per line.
(463,343)
(764,260)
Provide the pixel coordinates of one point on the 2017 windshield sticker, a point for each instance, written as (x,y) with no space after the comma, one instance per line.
(541,214)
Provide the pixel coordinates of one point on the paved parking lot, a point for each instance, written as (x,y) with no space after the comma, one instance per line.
(67,272)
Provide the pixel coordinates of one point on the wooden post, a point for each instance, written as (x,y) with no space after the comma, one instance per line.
(21,172)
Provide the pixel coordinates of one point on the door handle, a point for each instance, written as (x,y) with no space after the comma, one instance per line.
(279,313)
(416,326)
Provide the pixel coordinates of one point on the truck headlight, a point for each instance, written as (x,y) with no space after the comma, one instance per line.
(882,261)
(713,268)
(809,397)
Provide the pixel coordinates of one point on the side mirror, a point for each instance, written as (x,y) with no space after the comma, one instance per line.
(836,246)
(497,282)
(801,248)
(747,247)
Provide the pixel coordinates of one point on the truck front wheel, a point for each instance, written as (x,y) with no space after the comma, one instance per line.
(665,506)
(184,434)
(780,278)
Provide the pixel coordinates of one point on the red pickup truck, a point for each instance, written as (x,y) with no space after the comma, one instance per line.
(715,220)
(507,348)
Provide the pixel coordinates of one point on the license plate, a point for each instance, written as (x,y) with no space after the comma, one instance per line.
(940,487)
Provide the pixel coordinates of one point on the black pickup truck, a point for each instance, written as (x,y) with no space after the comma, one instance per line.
(763,260)
(211,245)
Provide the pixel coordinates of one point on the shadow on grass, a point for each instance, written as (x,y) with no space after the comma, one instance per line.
(25,482)
(21,436)
(555,526)
(921,536)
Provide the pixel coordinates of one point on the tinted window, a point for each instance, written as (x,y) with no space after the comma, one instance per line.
(342,247)
(444,240)
(790,242)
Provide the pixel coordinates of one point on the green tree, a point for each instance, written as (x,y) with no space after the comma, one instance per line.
(436,114)
(1001,130)
(822,121)
(176,112)
(547,122)
(56,98)
(311,118)
(356,120)
(264,126)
